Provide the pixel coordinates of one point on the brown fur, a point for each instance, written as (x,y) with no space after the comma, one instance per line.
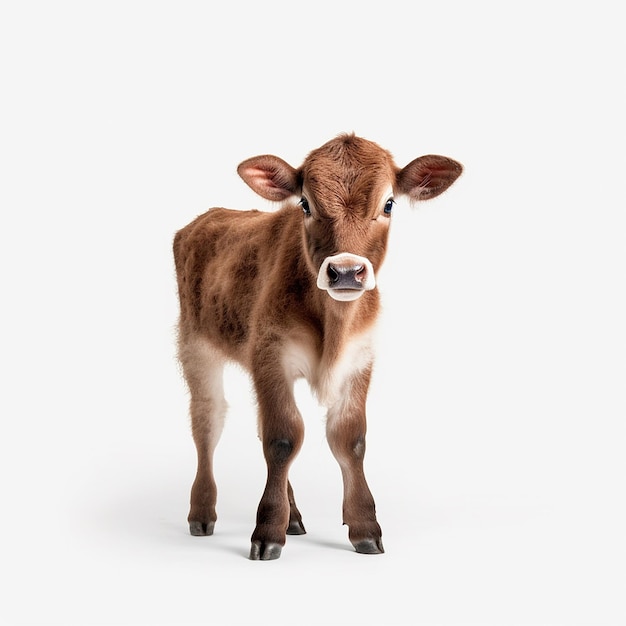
(249,293)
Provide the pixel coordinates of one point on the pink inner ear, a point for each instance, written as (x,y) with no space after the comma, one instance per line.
(428,176)
(261,177)
(266,182)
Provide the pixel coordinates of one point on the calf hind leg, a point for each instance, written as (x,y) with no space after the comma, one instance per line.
(203,369)
(296,527)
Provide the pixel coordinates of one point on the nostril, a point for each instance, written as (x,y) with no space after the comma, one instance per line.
(333,274)
(359,273)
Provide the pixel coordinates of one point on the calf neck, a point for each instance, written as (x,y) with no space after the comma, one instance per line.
(293,294)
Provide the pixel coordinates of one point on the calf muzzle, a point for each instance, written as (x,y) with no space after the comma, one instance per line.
(346,276)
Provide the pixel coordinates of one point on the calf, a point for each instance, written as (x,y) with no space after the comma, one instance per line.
(292,294)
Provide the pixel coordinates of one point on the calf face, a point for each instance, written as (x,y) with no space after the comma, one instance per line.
(346,192)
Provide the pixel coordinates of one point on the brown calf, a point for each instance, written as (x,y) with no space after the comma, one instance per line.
(292,294)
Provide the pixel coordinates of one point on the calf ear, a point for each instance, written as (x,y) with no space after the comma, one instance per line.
(428,176)
(270,177)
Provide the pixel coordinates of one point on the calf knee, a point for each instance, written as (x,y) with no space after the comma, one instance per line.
(280,450)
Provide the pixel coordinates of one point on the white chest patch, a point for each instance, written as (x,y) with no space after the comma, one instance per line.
(328,382)
(356,356)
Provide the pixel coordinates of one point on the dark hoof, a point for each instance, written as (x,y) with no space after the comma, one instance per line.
(369,546)
(296,528)
(261,551)
(201,529)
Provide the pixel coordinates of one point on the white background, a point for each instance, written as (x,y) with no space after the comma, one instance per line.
(497,412)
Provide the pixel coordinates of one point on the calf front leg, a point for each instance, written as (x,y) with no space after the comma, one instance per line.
(345,431)
(282,432)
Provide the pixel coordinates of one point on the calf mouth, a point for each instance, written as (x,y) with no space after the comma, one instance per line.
(346,294)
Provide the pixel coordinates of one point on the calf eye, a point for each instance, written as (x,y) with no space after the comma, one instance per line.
(389,206)
(304,203)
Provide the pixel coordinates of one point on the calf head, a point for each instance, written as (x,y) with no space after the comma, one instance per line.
(345,190)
